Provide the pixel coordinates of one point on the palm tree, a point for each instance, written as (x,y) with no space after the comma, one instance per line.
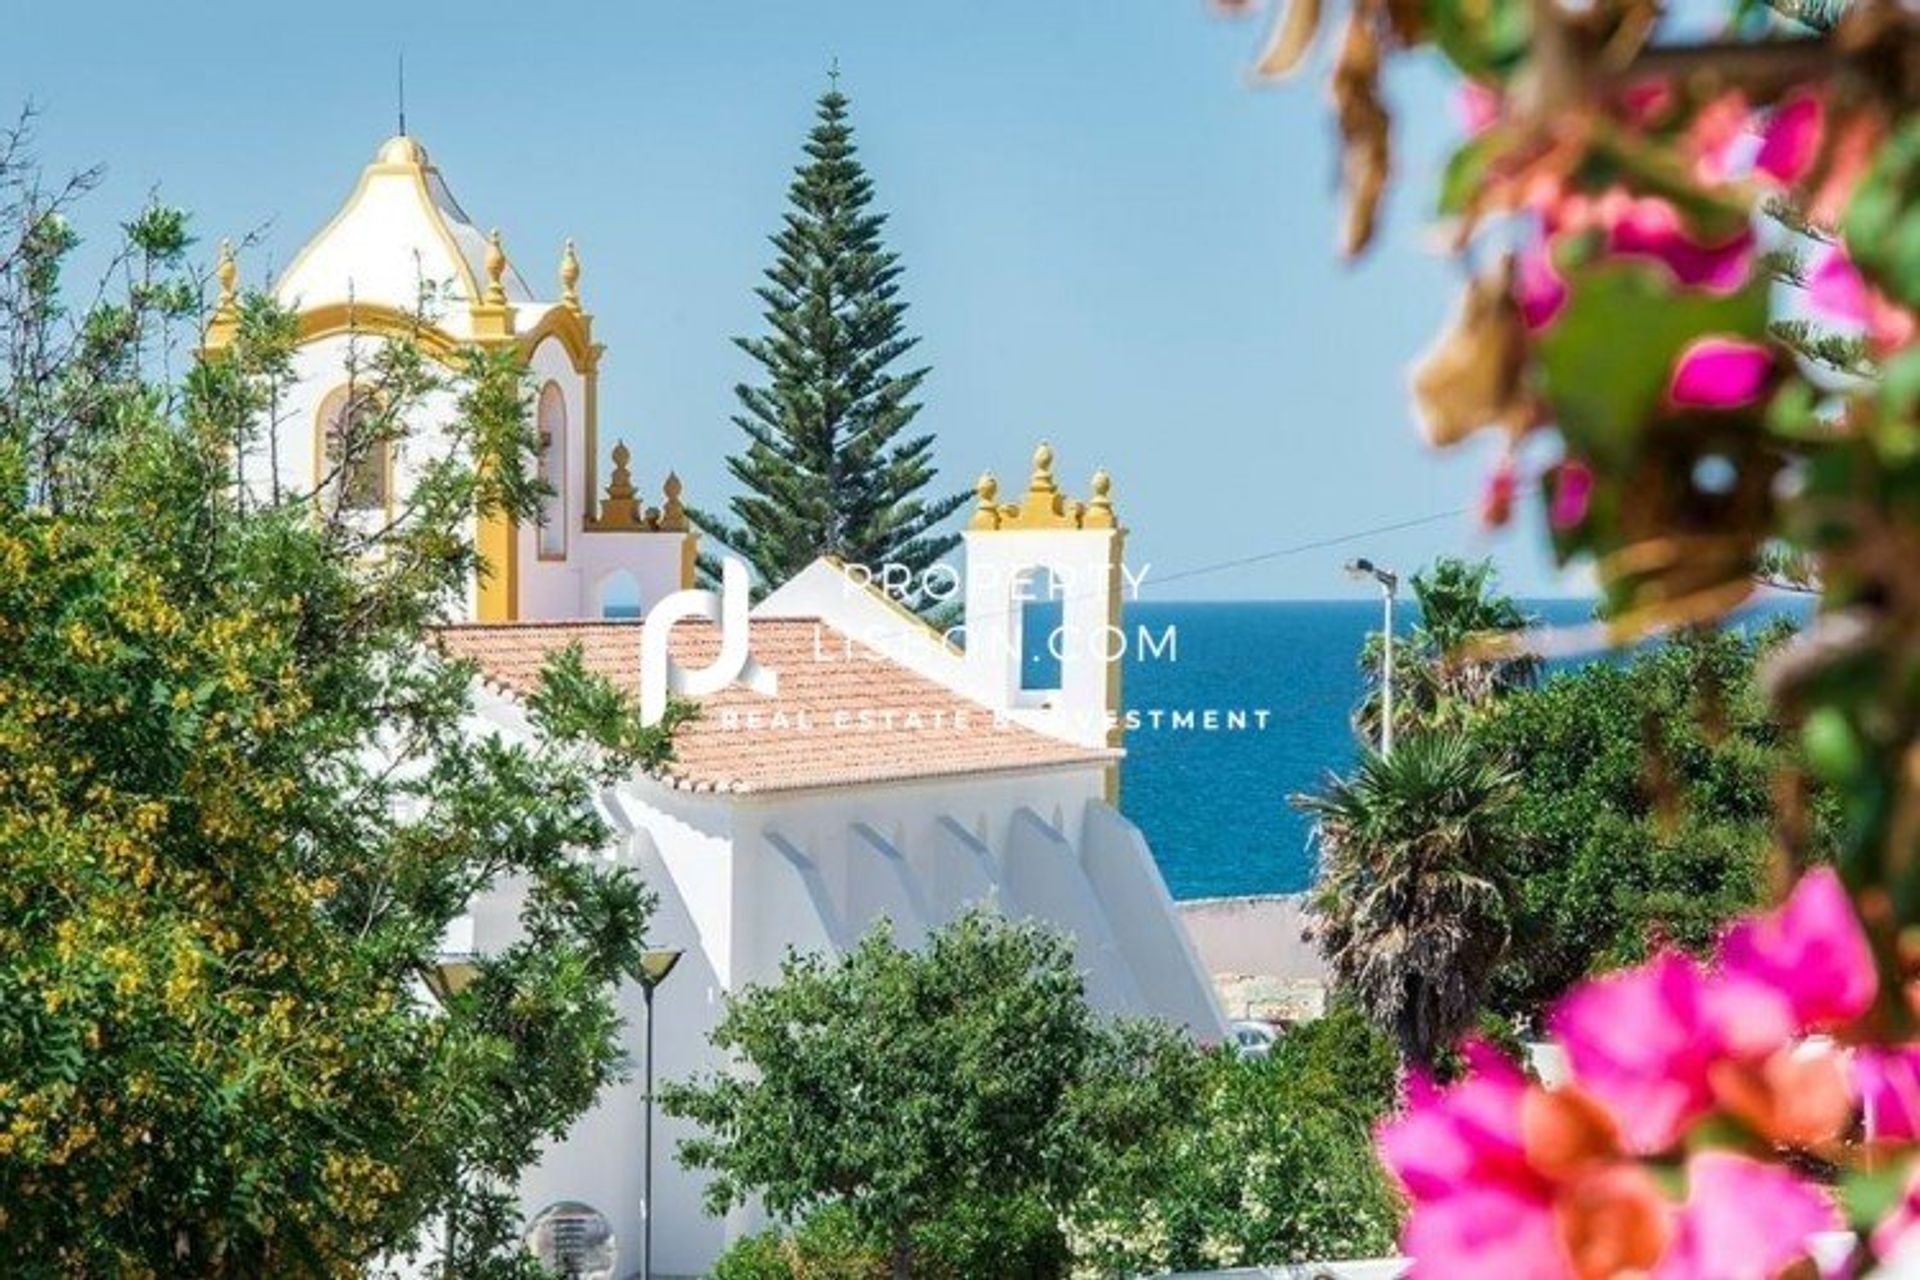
(1412,892)
(1444,673)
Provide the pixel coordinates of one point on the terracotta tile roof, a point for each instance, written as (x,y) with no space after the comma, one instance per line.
(844,715)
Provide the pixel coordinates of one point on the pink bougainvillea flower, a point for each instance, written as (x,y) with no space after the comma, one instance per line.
(1507,1179)
(1644,102)
(1791,139)
(1717,134)
(1538,290)
(1887,1079)
(1744,1219)
(1810,949)
(1478,106)
(1717,372)
(1642,1041)
(1572,494)
(1496,497)
(1652,228)
(1838,291)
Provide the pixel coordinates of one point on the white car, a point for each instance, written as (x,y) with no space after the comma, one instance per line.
(1252,1039)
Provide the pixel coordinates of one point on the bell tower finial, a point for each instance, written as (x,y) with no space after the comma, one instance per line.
(496,270)
(570,277)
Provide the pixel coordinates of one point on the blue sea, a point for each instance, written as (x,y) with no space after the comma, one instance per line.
(1214,804)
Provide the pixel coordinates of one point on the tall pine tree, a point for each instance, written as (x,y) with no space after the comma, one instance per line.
(827,470)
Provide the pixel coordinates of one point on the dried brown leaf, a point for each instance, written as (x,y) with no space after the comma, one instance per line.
(1289,39)
(1364,151)
(1470,377)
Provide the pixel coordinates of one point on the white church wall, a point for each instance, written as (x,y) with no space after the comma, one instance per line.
(653,560)
(1083,567)
(742,878)
(1120,866)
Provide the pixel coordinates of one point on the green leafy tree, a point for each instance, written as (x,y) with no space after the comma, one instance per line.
(240,806)
(1451,666)
(1271,1164)
(829,468)
(935,1095)
(1416,855)
(1644,814)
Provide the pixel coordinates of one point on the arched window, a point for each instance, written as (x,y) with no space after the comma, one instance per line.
(357,463)
(551,420)
(1037,596)
(618,596)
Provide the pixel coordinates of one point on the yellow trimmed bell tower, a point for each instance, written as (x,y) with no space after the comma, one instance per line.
(401,259)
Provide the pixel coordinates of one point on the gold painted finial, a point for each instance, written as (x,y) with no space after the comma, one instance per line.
(619,510)
(673,513)
(496,270)
(1042,479)
(1099,512)
(570,277)
(1043,505)
(987,488)
(229,273)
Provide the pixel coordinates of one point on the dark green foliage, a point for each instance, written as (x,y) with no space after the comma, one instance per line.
(1645,810)
(241,803)
(1273,1165)
(829,468)
(1444,671)
(1416,856)
(951,1100)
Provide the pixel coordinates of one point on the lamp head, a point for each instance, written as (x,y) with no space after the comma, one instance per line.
(1361,568)
(656,965)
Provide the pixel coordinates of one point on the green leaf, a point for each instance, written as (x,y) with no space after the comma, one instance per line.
(1467,169)
(1881,224)
(1484,38)
(1607,359)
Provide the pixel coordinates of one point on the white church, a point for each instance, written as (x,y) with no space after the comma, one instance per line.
(889,772)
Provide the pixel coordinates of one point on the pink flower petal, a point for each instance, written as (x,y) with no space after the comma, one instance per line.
(1715,135)
(1485,1231)
(1811,950)
(1836,289)
(1652,228)
(1475,1205)
(1743,1220)
(1720,373)
(1640,1042)
(1477,105)
(1496,496)
(1452,1138)
(1791,139)
(1572,493)
(1538,289)
(1888,1082)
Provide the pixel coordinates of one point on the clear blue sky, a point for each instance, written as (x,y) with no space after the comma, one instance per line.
(1110,238)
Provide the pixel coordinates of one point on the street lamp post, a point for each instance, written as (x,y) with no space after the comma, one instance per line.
(654,968)
(451,973)
(1388,580)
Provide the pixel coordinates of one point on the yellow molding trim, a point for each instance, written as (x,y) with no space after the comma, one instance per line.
(331,319)
(497,594)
